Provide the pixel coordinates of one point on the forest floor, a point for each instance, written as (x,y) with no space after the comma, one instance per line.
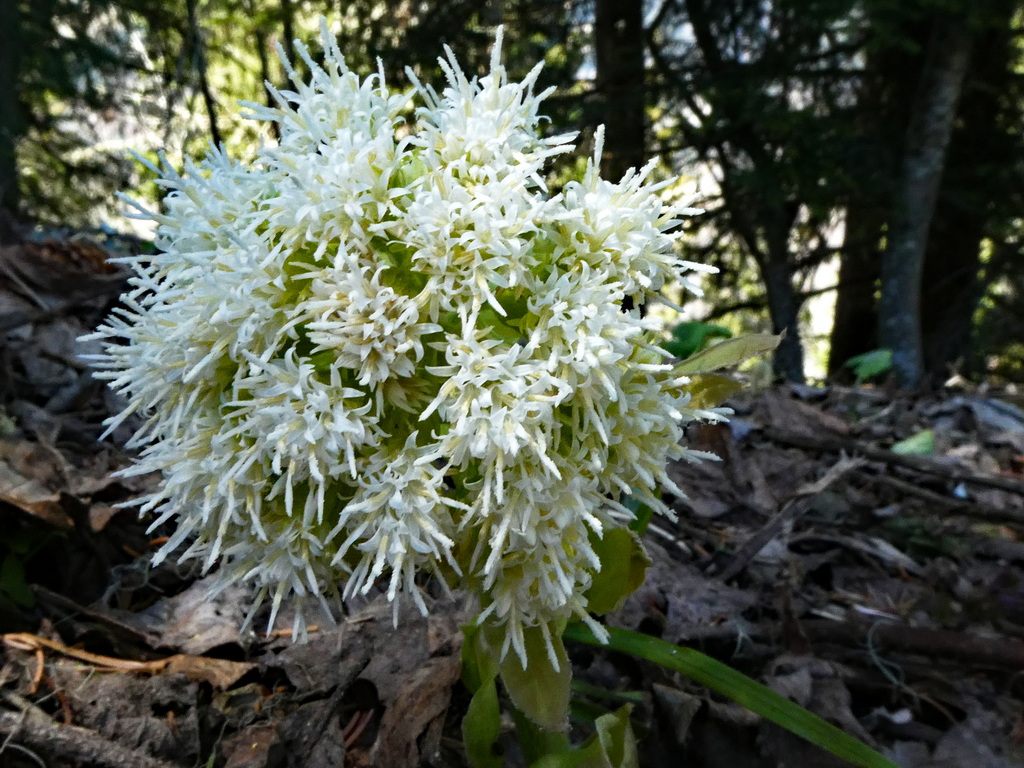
(859,550)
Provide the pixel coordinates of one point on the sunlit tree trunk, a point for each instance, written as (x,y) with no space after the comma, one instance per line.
(928,135)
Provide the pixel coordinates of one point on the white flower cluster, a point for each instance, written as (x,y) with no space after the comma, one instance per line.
(381,349)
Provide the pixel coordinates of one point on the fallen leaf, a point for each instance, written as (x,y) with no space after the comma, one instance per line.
(920,444)
(258,746)
(424,698)
(29,494)
(219,673)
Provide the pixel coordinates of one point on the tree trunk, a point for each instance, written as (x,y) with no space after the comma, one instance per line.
(886,91)
(12,122)
(288,29)
(199,57)
(931,125)
(619,44)
(783,302)
(951,285)
(784,307)
(854,330)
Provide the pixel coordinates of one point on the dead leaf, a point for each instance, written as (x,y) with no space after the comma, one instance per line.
(800,418)
(219,673)
(202,617)
(693,603)
(32,497)
(313,735)
(423,699)
(31,480)
(258,746)
(679,707)
(817,685)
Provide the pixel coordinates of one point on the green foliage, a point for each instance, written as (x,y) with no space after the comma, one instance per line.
(17,548)
(67,63)
(738,687)
(922,539)
(729,353)
(96,80)
(871,365)
(691,337)
(623,568)
(612,745)
(920,444)
(481,725)
(709,390)
(539,690)
(13,586)
(642,512)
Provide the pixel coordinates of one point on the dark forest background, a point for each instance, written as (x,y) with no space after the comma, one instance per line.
(866,150)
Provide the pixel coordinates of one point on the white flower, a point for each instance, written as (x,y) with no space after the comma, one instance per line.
(364,324)
(379,350)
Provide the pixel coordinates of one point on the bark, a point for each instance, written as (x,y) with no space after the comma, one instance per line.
(12,121)
(952,285)
(783,302)
(619,43)
(288,28)
(928,135)
(883,107)
(854,326)
(951,289)
(784,307)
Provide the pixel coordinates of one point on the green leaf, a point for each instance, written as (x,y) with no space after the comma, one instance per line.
(585,712)
(688,338)
(479,660)
(538,690)
(729,353)
(13,583)
(870,364)
(738,687)
(920,444)
(643,514)
(623,568)
(498,325)
(613,745)
(709,390)
(481,725)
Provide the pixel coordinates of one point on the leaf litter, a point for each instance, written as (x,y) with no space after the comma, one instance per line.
(859,550)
